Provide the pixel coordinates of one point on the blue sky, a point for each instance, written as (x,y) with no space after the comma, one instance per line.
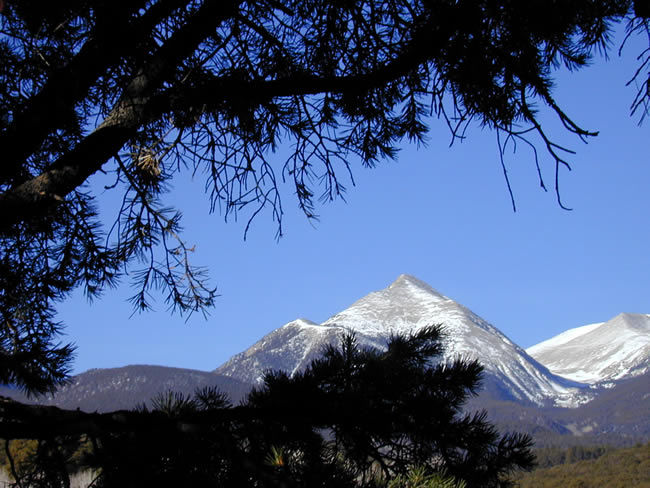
(442,214)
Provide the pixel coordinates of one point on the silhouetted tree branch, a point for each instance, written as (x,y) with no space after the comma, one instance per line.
(144,90)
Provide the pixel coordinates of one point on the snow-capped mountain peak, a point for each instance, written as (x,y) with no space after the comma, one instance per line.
(408,282)
(405,306)
(599,353)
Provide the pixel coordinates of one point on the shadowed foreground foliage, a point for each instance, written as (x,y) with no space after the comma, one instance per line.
(353,418)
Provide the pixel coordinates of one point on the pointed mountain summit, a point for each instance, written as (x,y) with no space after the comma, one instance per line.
(405,306)
(599,353)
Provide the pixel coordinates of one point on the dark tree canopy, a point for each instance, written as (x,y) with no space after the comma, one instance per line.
(353,418)
(144,89)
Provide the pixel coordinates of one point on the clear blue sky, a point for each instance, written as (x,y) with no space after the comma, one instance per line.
(441,214)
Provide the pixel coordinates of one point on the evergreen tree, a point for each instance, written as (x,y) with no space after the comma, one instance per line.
(353,418)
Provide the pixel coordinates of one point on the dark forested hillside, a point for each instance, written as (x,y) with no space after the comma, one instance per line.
(620,468)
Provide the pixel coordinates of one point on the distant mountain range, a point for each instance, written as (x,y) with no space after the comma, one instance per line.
(110,389)
(601,371)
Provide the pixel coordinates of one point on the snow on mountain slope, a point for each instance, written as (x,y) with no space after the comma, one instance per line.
(599,353)
(406,306)
(561,339)
(289,348)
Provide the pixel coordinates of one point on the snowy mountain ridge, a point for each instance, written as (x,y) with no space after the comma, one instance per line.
(407,305)
(599,353)
(562,338)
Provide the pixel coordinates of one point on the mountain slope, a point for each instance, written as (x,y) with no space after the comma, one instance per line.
(598,353)
(617,416)
(406,306)
(106,390)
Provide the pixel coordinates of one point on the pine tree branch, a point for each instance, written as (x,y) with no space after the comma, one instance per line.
(110,41)
(38,195)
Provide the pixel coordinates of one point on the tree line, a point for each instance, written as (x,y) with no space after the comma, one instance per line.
(590,467)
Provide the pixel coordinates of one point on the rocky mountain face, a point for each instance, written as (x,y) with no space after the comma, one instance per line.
(405,306)
(599,353)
